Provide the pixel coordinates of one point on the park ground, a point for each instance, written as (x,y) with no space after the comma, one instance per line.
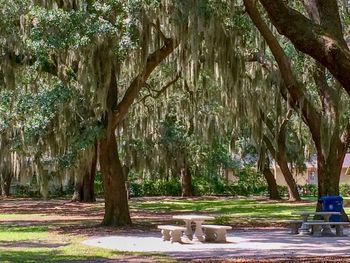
(53,231)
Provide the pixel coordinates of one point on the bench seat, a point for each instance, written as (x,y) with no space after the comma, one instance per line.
(172,233)
(318,226)
(215,233)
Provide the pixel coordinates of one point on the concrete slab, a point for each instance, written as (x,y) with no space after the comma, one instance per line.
(260,244)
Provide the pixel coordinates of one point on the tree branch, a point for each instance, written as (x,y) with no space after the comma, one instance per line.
(261,59)
(153,60)
(160,32)
(312,39)
(297,98)
(162,90)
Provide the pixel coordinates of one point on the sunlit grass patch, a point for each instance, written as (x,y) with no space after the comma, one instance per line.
(19,216)
(16,233)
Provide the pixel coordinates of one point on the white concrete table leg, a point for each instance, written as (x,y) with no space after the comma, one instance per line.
(166,234)
(198,233)
(339,230)
(316,229)
(294,228)
(188,231)
(327,231)
(304,229)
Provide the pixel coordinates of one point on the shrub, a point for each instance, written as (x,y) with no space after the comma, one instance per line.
(135,189)
(27,190)
(309,189)
(282,190)
(155,188)
(344,189)
(98,185)
(201,186)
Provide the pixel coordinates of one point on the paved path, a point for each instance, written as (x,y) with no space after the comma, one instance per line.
(261,244)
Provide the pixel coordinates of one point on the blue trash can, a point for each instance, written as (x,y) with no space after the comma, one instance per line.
(332,203)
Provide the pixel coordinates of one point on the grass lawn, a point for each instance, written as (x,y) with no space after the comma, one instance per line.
(53,231)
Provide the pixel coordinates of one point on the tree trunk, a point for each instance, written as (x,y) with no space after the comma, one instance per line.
(282,162)
(288,176)
(328,178)
(271,181)
(281,159)
(5,180)
(116,203)
(84,187)
(186,181)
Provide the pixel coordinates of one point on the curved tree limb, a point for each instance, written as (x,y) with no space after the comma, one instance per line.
(322,42)
(297,98)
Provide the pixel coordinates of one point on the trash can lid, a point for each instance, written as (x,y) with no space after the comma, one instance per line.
(331,197)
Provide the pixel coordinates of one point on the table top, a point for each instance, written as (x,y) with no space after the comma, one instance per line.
(193,217)
(316,213)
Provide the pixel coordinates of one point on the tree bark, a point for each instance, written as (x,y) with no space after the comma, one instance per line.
(281,159)
(280,154)
(328,179)
(186,181)
(288,176)
(270,178)
(116,202)
(84,187)
(5,181)
(324,42)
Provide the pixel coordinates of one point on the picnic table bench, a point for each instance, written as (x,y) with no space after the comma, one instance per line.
(172,233)
(215,233)
(315,225)
(319,228)
(211,233)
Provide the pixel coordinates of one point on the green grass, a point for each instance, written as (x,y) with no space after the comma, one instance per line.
(243,209)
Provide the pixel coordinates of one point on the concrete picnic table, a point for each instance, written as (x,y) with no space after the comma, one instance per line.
(305,215)
(198,219)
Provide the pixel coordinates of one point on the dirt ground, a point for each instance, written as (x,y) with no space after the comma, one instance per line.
(65,217)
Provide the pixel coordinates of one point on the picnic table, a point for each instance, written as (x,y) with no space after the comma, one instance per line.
(305,215)
(198,220)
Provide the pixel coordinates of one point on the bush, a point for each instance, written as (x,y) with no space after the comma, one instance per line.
(135,189)
(308,189)
(98,185)
(27,190)
(344,189)
(249,183)
(201,186)
(282,190)
(155,188)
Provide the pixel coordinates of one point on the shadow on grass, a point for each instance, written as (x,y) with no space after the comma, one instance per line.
(30,244)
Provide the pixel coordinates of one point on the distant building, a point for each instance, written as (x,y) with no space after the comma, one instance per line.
(309,176)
